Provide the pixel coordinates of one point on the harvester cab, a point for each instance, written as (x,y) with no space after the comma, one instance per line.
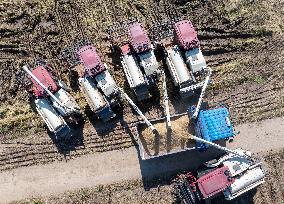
(97,84)
(138,60)
(212,125)
(184,58)
(52,101)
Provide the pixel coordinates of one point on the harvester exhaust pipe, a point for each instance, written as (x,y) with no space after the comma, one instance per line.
(220,147)
(25,67)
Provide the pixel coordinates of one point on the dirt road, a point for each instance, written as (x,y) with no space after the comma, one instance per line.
(117,166)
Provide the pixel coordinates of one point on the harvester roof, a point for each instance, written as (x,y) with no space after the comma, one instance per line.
(186,35)
(214,182)
(139,39)
(91,60)
(45,78)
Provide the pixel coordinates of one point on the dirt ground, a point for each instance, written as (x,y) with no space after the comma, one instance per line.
(242,42)
(101,169)
(133,191)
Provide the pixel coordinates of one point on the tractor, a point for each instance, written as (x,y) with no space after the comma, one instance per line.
(52,101)
(138,60)
(97,84)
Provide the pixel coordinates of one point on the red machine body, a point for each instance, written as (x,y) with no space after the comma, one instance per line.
(91,60)
(46,79)
(214,182)
(139,39)
(186,35)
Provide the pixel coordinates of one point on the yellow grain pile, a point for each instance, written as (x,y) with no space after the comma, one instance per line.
(182,131)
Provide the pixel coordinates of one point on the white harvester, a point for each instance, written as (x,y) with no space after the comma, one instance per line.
(138,60)
(52,101)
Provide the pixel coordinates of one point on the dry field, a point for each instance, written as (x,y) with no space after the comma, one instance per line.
(162,192)
(241,40)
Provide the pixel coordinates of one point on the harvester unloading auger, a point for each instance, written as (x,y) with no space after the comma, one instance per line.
(137,110)
(52,101)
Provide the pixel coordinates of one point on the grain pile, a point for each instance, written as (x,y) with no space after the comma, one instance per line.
(179,137)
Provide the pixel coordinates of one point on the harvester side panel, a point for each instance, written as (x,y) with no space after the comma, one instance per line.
(249,180)
(69,104)
(106,83)
(53,120)
(186,35)
(138,38)
(149,62)
(93,96)
(46,79)
(195,60)
(133,73)
(177,67)
(91,61)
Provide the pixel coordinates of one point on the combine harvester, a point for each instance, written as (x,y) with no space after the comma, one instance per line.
(137,57)
(52,101)
(184,58)
(97,84)
(233,174)
(95,69)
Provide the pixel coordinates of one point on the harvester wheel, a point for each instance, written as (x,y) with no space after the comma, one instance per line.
(185,193)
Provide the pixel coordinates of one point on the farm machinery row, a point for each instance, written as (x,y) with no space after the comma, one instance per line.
(139,64)
(233,174)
